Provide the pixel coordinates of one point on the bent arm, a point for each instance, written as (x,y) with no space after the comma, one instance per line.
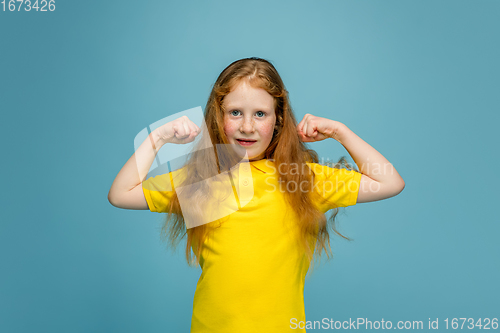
(126,191)
(379,179)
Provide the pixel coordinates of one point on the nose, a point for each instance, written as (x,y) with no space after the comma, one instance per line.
(247,126)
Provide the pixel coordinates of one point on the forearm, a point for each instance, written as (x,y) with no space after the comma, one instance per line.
(369,161)
(137,167)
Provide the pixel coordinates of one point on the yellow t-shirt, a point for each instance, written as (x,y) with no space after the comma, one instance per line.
(253,270)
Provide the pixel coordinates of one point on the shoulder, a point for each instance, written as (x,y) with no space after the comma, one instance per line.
(326,172)
(337,187)
(165,182)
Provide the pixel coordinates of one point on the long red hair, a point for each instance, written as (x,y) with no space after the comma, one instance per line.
(286,149)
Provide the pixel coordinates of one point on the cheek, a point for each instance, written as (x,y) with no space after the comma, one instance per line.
(229,128)
(267,130)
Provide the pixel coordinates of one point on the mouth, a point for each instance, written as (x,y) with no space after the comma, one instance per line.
(246,142)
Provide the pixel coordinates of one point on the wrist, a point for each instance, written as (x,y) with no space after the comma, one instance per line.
(339,131)
(157,141)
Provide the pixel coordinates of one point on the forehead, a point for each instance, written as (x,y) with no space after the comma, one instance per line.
(244,95)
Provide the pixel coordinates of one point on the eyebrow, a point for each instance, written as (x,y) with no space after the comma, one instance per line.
(229,107)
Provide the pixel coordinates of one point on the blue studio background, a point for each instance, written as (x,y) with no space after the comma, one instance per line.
(417,80)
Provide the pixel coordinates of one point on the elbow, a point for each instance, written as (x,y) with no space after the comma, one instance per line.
(112,199)
(395,188)
(400,186)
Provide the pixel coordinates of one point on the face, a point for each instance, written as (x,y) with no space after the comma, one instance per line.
(249,119)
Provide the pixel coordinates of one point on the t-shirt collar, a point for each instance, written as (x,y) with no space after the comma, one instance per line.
(264,165)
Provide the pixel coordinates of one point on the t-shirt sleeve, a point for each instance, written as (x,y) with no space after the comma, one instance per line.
(159,190)
(336,187)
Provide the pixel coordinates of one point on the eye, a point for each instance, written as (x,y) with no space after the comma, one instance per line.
(260,114)
(235,112)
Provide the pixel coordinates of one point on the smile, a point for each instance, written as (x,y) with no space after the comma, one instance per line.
(245,142)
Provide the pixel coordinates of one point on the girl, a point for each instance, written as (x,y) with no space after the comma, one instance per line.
(254,260)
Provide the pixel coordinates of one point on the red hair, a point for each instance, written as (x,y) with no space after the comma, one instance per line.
(286,149)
